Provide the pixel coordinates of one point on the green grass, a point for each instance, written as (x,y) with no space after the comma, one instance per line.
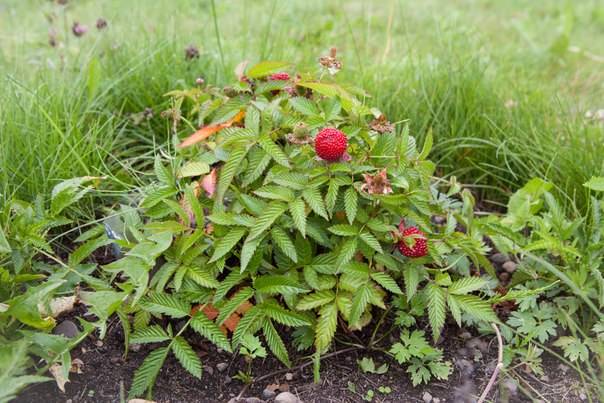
(446,66)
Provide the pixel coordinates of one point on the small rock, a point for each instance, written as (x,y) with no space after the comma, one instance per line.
(563,368)
(67,329)
(289,376)
(511,385)
(504,276)
(477,343)
(435,400)
(222,366)
(427,397)
(465,335)
(465,392)
(509,266)
(466,367)
(116,359)
(287,397)
(135,347)
(227,380)
(209,370)
(98,343)
(268,393)
(499,258)
(582,396)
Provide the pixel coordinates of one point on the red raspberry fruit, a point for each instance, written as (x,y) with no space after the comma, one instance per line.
(330,144)
(279,77)
(418,243)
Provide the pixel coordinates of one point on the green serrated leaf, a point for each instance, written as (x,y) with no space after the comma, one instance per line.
(332,195)
(249,324)
(193,168)
(204,326)
(247,251)
(413,275)
(371,241)
(347,251)
(225,244)
(350,204)
(266,219)
(386,281)
(476,307)
(304,105)
(284,243)
(275,193)
(144,376)
(360,300)
(436,309)
(326,326)
(265,68)
(201,276)
(232,304)
(467,285)
(595,183)
(281,315)
(273,150)
(186,356)
(151,334)
(315,300)
(166,304)
(298,213)
(275,343)
(315,201)
(227,173)
(278,284)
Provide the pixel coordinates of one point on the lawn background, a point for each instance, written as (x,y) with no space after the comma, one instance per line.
(503,85)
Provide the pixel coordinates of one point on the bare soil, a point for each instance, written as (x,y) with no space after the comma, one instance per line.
(106,376)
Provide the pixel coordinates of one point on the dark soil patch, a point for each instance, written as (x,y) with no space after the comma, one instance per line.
(106,376)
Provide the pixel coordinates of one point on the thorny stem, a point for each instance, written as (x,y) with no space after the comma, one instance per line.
(497,368)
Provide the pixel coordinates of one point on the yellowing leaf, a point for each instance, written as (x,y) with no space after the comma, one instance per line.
(207,131)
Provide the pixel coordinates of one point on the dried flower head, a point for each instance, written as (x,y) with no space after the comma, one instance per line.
(377,184)
(79,29)
(331,63)
(191,52)
(200,81)
(101,24)
(381,125)
(52,37)
(291,91)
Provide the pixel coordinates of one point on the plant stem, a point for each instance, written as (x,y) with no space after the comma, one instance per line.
(217,33)
(497,368)
(296,368)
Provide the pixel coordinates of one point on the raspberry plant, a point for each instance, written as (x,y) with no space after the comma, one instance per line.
(248,232)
